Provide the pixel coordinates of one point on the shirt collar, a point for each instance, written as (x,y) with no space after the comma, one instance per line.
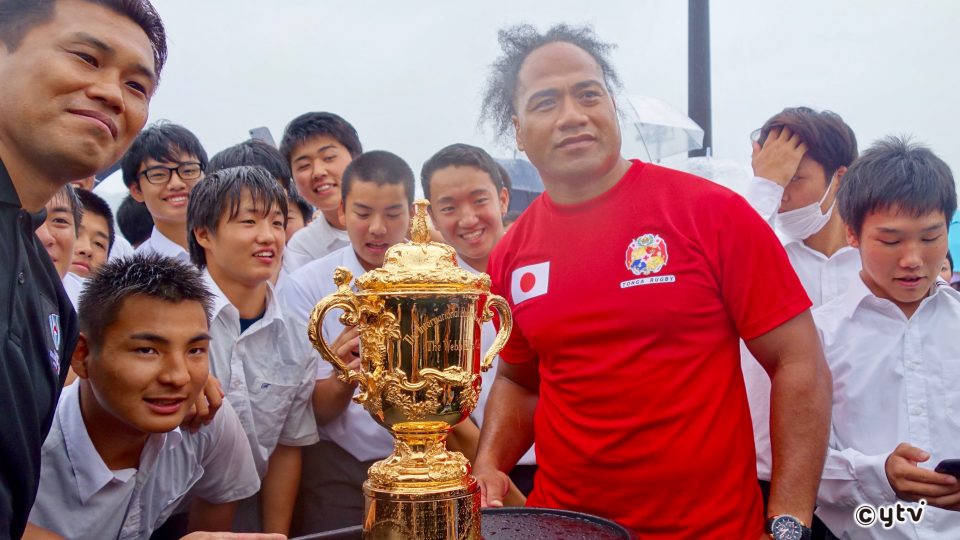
(8,194)
(165,246)
(463,264)
(798,244)
(89,469)
(221,302)
(858,293)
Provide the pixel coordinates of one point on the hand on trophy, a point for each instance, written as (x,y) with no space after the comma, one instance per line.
(494,485)
(347,347)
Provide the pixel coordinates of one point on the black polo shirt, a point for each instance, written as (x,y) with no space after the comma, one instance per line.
(38,329)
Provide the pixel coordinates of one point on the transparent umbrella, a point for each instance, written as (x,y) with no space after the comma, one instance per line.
(658,127)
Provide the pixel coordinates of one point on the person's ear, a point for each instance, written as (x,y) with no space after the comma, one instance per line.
(203,237)
(852,237)
(841,170)
(81,357)
(504,201)
(518,132)
(136,192)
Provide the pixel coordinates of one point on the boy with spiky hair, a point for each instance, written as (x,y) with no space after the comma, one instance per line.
(95,235)
(116,464)
(319,146)
(377,204)
(890,341)
(163,164)
(236,220)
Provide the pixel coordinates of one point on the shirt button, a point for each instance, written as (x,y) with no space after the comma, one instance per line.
(21,279)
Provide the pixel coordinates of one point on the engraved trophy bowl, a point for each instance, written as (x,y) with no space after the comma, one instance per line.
(419,320)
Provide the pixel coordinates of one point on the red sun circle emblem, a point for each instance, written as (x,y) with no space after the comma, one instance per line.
(527,281)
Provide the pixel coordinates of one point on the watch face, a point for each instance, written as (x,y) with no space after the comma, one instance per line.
(786,528)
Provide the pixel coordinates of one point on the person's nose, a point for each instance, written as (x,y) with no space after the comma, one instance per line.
(108,90)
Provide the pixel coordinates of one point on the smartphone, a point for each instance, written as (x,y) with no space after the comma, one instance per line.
(949,466)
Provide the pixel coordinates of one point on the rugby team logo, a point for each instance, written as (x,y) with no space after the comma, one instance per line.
(646,255)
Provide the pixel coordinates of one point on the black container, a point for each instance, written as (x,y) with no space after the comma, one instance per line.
(522,524)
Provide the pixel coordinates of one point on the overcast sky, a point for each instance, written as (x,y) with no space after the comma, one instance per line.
(409,75)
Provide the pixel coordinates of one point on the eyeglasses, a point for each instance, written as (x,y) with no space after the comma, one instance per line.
(160,175)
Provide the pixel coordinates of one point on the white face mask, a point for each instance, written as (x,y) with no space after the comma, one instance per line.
(806,221)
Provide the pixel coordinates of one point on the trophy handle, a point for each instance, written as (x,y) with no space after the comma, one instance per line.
(345,299)
(506,325)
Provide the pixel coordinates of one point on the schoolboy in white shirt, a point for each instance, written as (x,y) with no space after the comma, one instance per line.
(236,220)
(891,343)
(115,464)
(377,204)
(318,146)
(162,165)
(468,199)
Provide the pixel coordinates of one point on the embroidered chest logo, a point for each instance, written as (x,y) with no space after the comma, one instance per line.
(54,320)
(646,255)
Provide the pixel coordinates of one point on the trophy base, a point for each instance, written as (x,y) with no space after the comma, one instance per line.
(452,514)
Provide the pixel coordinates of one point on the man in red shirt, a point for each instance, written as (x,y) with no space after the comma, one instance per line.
(631,285)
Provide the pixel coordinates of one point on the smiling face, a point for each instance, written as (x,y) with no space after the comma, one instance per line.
(92,248)
(468,211)
(76,91)
(150,367)
(245,250)
(377,217)
(901,254)
(318,164)
(566,121)
(166,202)
(58,234)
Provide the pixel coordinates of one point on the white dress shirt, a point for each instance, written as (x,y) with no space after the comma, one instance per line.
(313,242)
(894,380)
(823,278)
(267,373)
(488,333)
(354,429)
(73,284)
(121,248)
(80,498)
(161,245)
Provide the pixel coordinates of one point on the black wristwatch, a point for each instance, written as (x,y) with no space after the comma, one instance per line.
(787,527)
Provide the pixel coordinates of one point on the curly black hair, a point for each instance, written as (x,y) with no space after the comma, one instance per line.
(517,42)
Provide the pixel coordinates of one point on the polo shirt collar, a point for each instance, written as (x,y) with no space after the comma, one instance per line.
(8,194)
(89,469)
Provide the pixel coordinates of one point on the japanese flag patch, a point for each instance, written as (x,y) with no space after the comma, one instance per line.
(529,281)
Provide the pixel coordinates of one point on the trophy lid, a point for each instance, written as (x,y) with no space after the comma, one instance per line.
(421,265)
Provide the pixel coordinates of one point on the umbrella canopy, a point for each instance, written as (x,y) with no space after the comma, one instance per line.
(525,182)
(658,127)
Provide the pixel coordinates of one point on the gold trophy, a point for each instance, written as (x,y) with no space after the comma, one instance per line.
(419,318)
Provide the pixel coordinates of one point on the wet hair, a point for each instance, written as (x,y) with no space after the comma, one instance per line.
(18,17)
(94,204)
(153,276)
(517,42)
(220,195)
(381,168)
(134,220)
(160,142)
(896,174)
(254,152)
(830,141)
(460,155)
(311,124)
(67,195)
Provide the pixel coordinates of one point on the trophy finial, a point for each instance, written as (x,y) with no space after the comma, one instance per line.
(419,232)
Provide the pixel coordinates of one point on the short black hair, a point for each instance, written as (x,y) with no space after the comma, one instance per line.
(253,152)
(381,168)
(153,276)
(312,124)
(94,204)
(896,173)
(517,42)
(830,141)
(67,195)
(302,206)
(220,194)
(460,155)
(18,17)
(950,260)
(160,142)
(134,220)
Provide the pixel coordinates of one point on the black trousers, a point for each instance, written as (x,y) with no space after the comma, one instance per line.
(331,494)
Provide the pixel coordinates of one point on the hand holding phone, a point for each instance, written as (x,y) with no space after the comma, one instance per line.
(949,466)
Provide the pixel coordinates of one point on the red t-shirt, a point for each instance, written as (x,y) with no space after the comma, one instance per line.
(634,303)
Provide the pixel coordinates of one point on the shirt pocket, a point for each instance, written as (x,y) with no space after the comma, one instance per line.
(271,402)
